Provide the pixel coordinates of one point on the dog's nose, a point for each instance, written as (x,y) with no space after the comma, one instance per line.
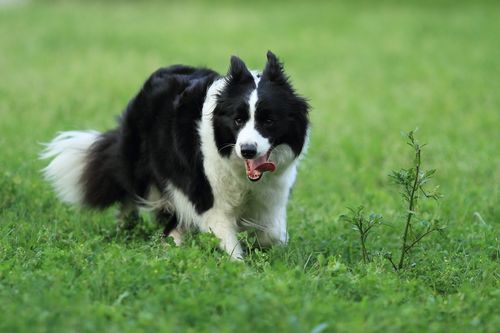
(248,151)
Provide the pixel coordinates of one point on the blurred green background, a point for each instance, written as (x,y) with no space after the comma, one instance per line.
(369,69)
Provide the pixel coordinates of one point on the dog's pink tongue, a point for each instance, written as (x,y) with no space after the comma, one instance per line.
(256,167)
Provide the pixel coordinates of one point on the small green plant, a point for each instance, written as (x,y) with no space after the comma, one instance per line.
(412,182)
(363,225)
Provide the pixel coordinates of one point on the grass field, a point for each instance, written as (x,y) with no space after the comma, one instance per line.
(369,70)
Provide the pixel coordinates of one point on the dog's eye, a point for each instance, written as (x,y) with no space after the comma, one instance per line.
(269,122)
(238,121)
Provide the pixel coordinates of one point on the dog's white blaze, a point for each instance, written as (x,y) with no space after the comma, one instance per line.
(69,150)
(249,134)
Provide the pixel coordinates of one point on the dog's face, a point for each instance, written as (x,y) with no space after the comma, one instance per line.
(257,116)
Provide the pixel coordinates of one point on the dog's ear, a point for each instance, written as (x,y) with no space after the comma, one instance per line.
(274,70)
(238,71)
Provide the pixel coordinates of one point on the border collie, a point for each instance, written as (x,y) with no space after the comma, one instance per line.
(205,152)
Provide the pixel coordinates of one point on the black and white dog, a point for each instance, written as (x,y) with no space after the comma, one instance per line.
(194,146)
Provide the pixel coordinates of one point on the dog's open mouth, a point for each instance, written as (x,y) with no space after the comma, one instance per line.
(256,167)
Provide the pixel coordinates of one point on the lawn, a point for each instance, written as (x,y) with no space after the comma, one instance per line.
(369,71)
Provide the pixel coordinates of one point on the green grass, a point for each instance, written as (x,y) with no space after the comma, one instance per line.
(370,72)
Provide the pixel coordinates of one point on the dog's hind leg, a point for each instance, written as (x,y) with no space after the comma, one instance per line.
(170,225)
(127,217)
(177,235)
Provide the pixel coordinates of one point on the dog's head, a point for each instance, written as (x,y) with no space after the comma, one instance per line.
(259,117)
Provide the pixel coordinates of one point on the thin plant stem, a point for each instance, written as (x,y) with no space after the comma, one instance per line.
(363,246)
(411,205)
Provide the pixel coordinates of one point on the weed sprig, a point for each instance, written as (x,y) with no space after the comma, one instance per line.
(363,225)
(412,182)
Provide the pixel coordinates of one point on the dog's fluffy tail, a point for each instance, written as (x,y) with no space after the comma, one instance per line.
(81,170)
(69,152)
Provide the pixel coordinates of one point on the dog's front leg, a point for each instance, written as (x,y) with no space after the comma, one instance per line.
(223,227)
(275,231)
